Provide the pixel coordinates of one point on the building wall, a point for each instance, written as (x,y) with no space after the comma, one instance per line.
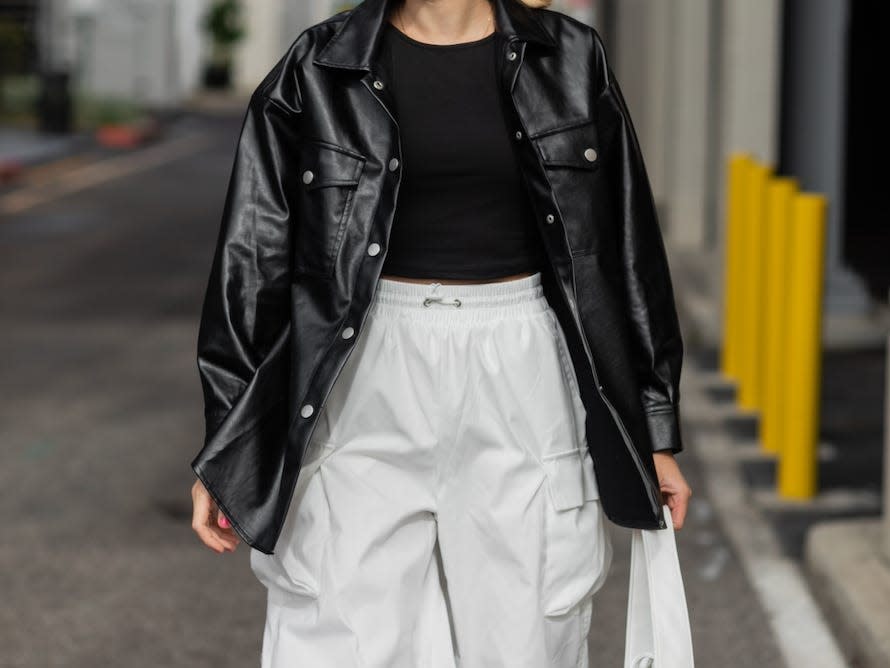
(814,128)
(150,51)
(701,78)
(704,79)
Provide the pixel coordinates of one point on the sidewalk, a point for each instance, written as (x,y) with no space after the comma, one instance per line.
(771,533)
(24,151)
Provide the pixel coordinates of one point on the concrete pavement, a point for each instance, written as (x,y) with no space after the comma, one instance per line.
(808,541)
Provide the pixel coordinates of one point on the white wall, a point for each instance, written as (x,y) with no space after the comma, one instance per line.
(192,44)
(751,38)
(144,50)
(272,26)
(702,80)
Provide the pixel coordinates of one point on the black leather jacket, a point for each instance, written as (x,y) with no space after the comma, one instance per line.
(304,234)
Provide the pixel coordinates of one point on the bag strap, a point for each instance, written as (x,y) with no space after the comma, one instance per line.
(658,633)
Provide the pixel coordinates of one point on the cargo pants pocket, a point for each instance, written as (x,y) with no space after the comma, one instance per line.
(577,552)
(293,572)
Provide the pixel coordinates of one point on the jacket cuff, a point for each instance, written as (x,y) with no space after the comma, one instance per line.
(664,428)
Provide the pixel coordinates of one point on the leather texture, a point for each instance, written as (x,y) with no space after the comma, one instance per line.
(304,233)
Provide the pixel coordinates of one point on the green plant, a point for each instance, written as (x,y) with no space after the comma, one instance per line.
(17,95)
(12,47)
(12,53)
(224,24)
(93,111)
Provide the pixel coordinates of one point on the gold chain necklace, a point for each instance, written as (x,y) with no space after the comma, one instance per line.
(402,22)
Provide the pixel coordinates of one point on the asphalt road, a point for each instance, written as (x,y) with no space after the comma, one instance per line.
(102,413)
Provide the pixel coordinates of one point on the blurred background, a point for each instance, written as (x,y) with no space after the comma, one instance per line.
(762,126)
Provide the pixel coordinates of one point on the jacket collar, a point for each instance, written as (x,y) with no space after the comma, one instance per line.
(354,44)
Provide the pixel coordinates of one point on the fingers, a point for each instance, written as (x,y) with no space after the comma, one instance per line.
(206,522)
(219,540)
(678,502)
(674,488)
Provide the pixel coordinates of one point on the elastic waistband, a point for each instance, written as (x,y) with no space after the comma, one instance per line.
(444,302)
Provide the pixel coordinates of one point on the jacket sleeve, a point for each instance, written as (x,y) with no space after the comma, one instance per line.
(649,293)
(245,316)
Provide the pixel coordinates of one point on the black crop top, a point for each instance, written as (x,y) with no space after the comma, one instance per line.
(463,211)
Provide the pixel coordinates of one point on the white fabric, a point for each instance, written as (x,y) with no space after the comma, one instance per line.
(658,633)
(447,514)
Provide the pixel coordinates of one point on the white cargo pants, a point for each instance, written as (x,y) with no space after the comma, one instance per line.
(447,512)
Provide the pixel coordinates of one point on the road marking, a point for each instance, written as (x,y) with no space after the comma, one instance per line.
(801,631)
(52,171)
(713,565)
(97,173)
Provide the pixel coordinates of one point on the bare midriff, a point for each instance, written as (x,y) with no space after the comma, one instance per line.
(454,281)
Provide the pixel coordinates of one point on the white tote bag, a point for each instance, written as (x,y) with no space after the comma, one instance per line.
(658,632)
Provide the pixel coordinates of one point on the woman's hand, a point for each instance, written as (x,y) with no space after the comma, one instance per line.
(209,523)
(673,486)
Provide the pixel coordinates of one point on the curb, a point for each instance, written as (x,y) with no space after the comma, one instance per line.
(110,136)
(802,632)
(218,103)
(845,559)
(10,171)
(128,135)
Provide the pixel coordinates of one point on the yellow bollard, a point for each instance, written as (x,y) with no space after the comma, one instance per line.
(750,328)
(797,464)
(780,193)
(737,180)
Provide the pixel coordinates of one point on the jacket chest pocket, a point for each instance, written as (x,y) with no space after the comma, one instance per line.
(328,178)
(573,161)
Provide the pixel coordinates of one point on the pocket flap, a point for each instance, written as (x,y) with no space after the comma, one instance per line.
(571,478)
(577,146)
(323,164)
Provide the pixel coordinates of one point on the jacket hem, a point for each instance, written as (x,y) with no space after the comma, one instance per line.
(245,535)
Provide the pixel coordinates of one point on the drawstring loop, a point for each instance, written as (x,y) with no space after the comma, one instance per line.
(428,301)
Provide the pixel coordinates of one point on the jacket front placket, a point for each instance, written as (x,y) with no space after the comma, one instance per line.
(560,254)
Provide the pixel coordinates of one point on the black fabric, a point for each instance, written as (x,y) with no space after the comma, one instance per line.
(463,211)
(292,279)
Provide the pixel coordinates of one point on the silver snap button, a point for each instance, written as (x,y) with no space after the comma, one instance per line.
(519,134)
(511,55)
(393,164)
(378,84)
(374,248)
(550,218)
(308,176)
(307,410)
(347,333)
(590,154)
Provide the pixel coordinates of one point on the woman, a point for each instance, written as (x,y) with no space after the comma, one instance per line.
(411,419)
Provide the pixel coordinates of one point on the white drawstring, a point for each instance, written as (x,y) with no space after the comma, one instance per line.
(434,288)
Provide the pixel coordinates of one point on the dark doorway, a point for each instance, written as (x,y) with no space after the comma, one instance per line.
(867,229)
